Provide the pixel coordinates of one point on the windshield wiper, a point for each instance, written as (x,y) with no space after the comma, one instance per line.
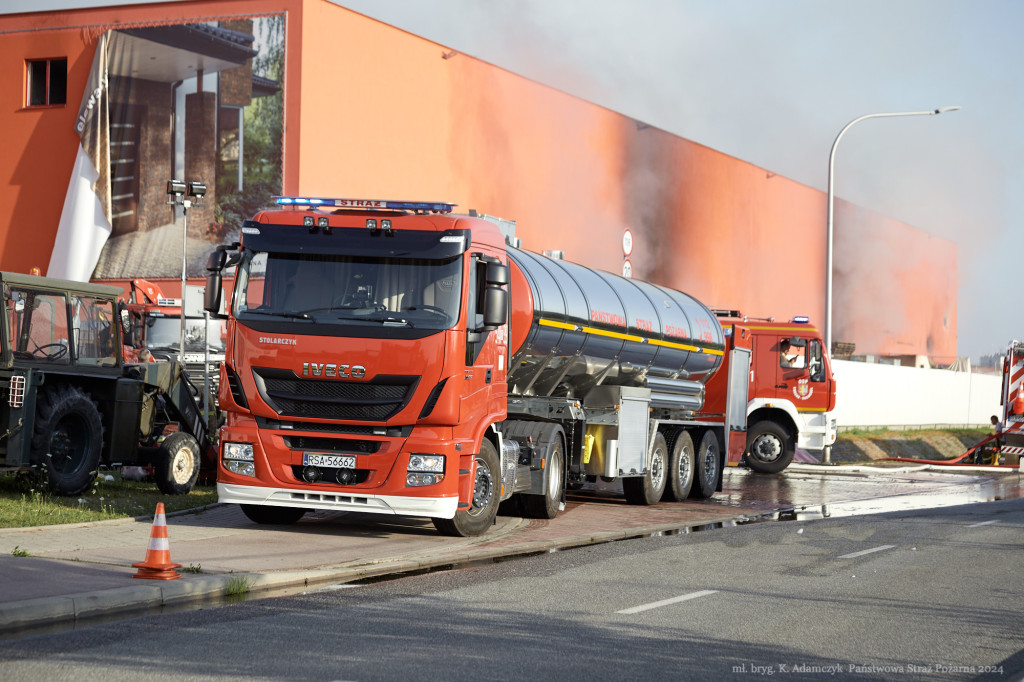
(281,313)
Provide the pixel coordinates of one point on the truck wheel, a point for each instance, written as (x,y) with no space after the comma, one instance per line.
(707,460)
(484,507)
(546,506)
(769,448)
(177,464)
(275,516)
(680,469)
(68,438)
(649,488)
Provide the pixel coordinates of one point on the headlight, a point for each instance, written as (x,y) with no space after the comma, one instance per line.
(424,470)
(240,468)
(238,459)
(426,463)
(240,451)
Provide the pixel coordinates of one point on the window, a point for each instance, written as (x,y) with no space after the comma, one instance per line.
(94,330)
(37,326)
(47,81)
(793,353)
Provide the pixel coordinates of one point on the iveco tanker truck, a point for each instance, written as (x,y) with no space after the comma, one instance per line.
(396,358)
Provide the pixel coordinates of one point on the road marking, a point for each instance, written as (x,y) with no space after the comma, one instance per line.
(854,555)
(983,523)
(666,602)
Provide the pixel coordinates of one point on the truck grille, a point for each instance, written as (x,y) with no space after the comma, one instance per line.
(292,396)
(364,447)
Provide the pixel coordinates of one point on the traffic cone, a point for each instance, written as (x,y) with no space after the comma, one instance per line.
(157,565)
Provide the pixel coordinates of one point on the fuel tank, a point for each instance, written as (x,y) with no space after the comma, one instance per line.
(572,329)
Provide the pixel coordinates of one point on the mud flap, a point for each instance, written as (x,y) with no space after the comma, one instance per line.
(467,480)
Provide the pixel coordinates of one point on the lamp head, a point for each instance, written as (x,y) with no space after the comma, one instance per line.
(197,189)
(176,188)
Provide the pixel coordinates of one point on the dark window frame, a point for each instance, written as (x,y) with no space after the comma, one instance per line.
(54,90)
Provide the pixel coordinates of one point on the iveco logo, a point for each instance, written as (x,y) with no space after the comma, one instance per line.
(321,369)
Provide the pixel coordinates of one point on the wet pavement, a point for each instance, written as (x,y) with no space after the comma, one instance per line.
(75,572)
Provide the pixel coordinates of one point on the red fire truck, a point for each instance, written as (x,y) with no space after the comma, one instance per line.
(396,358)
(1010,428)
(791,395)
(156,327)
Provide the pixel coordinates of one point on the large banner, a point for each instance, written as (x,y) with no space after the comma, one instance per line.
(85,220)
(193,102)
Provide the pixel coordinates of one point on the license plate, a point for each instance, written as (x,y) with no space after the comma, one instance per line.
(329,461)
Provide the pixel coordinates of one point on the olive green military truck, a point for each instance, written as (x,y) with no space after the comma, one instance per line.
(69,403)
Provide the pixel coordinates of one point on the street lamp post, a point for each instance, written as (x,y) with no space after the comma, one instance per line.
(831,169)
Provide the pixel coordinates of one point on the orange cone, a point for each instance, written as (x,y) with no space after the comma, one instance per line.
(157,565)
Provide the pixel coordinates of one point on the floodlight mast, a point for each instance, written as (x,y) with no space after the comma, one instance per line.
(185,195)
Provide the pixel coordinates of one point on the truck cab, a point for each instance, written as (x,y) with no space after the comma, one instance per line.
(155,330)
(792,392)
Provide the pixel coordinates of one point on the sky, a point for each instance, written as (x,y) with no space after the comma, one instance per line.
(772,82)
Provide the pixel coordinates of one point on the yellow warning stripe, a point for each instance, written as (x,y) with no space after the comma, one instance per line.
(627,337)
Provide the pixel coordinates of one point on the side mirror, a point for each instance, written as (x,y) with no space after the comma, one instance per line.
(495,297)
(495,307)
(215,263)
(214,291)
(497,273)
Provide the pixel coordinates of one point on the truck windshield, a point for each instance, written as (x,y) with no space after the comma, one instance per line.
(164,333)
(409,292)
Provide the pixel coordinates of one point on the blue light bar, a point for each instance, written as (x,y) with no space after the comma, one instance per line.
(801,319)
(368,204)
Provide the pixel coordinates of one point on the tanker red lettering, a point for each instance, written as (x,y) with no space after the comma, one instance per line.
(645,325)
(705,330)
(608,318)
(677,332)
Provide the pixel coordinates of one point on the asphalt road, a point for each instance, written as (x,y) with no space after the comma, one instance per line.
(926,594)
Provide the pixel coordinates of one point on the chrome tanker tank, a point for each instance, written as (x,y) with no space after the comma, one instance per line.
(573,328)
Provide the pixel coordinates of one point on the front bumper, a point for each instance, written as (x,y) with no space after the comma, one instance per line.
(436,507)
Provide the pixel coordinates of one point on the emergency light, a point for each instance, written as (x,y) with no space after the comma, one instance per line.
(801,319)
(385,204)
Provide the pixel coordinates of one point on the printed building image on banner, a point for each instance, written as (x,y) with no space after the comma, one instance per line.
(192,102)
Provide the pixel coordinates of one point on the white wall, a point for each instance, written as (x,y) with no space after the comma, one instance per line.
(887,395)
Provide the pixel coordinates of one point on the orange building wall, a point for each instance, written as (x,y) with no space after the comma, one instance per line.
(373,111)
(895,286)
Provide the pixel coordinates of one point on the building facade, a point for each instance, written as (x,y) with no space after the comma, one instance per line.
(258,97)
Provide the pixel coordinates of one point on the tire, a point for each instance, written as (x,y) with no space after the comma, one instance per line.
(681,465)
(275,516)
(707,469)
(486,493)
(67,439)
(546,506)
(769,448)
(649,488)
(177,464)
